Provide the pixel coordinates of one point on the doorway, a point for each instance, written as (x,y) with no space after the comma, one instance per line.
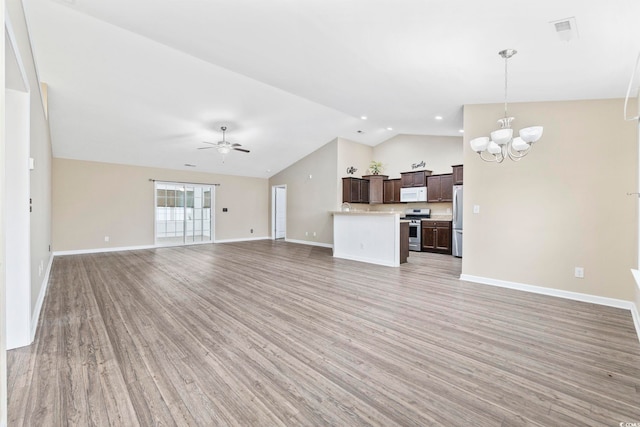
(183,214)
(279,211)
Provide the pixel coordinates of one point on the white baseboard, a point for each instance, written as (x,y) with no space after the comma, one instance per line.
(137,248)
(636,316)
(365,259)
(43,291)
(636,319)
(249,239)
(101,250)
(576,296)
(307,242)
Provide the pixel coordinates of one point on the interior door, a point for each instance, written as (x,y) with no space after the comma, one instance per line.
(281,212)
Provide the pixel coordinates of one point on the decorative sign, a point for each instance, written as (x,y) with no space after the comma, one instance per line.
(418,165)
(351,170)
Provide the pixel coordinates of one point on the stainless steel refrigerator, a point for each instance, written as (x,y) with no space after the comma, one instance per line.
(457,221)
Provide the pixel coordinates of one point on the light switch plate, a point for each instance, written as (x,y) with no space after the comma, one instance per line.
(476,209)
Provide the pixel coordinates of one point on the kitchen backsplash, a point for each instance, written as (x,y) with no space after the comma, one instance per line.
(438,210)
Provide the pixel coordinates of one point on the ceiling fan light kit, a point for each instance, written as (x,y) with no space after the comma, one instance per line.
(502,144)
(224,147)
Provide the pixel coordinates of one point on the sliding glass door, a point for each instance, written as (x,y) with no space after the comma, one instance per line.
(183,213)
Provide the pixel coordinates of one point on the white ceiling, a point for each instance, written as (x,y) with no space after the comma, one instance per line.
(145,81)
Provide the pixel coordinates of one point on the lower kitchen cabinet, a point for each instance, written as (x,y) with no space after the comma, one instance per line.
(436,236)
(404,242)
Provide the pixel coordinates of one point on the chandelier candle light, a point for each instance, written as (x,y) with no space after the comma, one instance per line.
(502,144)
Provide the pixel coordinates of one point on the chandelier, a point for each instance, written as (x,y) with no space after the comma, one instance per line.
(502,144)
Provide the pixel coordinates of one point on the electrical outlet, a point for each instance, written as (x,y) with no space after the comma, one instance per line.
(252,231)
(106,238)
(306,233)
(579,272)
(476,209)
(314,234)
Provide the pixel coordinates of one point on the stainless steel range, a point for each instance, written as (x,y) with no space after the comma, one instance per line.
(415,217)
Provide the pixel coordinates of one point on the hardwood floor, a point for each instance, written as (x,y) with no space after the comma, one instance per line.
(271,333)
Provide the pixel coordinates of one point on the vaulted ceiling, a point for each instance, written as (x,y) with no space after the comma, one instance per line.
(144,82)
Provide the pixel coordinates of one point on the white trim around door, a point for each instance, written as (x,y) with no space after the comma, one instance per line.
(279,212)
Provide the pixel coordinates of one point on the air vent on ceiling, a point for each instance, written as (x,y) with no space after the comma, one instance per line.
(566,29)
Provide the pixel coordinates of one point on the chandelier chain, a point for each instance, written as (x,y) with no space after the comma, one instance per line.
(505,86)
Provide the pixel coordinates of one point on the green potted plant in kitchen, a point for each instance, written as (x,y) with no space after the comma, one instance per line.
(375,167)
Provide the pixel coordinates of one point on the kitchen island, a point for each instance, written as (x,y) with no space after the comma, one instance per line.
(375,237)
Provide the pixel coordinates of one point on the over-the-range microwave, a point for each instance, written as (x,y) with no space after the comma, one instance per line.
(413,194)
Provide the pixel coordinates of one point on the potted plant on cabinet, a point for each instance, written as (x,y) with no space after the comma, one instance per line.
(375,167)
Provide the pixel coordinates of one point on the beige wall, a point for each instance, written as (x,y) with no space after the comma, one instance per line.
(311,195)
(564,205)
(309,201)
(92,200)
(400,152)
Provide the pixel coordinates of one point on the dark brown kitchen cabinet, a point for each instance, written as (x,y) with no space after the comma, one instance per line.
(364,191)
(376,188)
(440,188)
(457,174)
(355,190)
(404,241)
(391,190)
(436,236)
(414,179)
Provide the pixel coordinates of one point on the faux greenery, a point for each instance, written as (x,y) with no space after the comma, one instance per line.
(375,167)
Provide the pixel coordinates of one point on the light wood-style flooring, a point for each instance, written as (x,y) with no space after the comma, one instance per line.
(271,333)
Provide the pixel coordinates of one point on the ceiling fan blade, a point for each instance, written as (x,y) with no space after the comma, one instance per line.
(204,148)
(242,149)
(210,143)
(236,144)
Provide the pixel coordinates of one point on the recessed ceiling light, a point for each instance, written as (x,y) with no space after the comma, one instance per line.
(438,117)
(360,131)
(389,128)
(461,130)
(363,117)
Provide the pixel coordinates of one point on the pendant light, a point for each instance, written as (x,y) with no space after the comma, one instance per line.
(501,144)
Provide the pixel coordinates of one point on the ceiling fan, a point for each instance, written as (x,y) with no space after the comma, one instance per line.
(224,146)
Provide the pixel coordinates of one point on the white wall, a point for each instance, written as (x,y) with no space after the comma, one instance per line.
(17,236)
(3,346)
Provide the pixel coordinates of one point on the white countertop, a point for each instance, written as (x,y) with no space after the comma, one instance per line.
(438,218)
(364,213)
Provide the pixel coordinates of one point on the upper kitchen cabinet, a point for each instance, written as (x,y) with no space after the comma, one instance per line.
(457,174)
(391,190)
(355,190)
(440,188)
(376,188)
(414,179)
